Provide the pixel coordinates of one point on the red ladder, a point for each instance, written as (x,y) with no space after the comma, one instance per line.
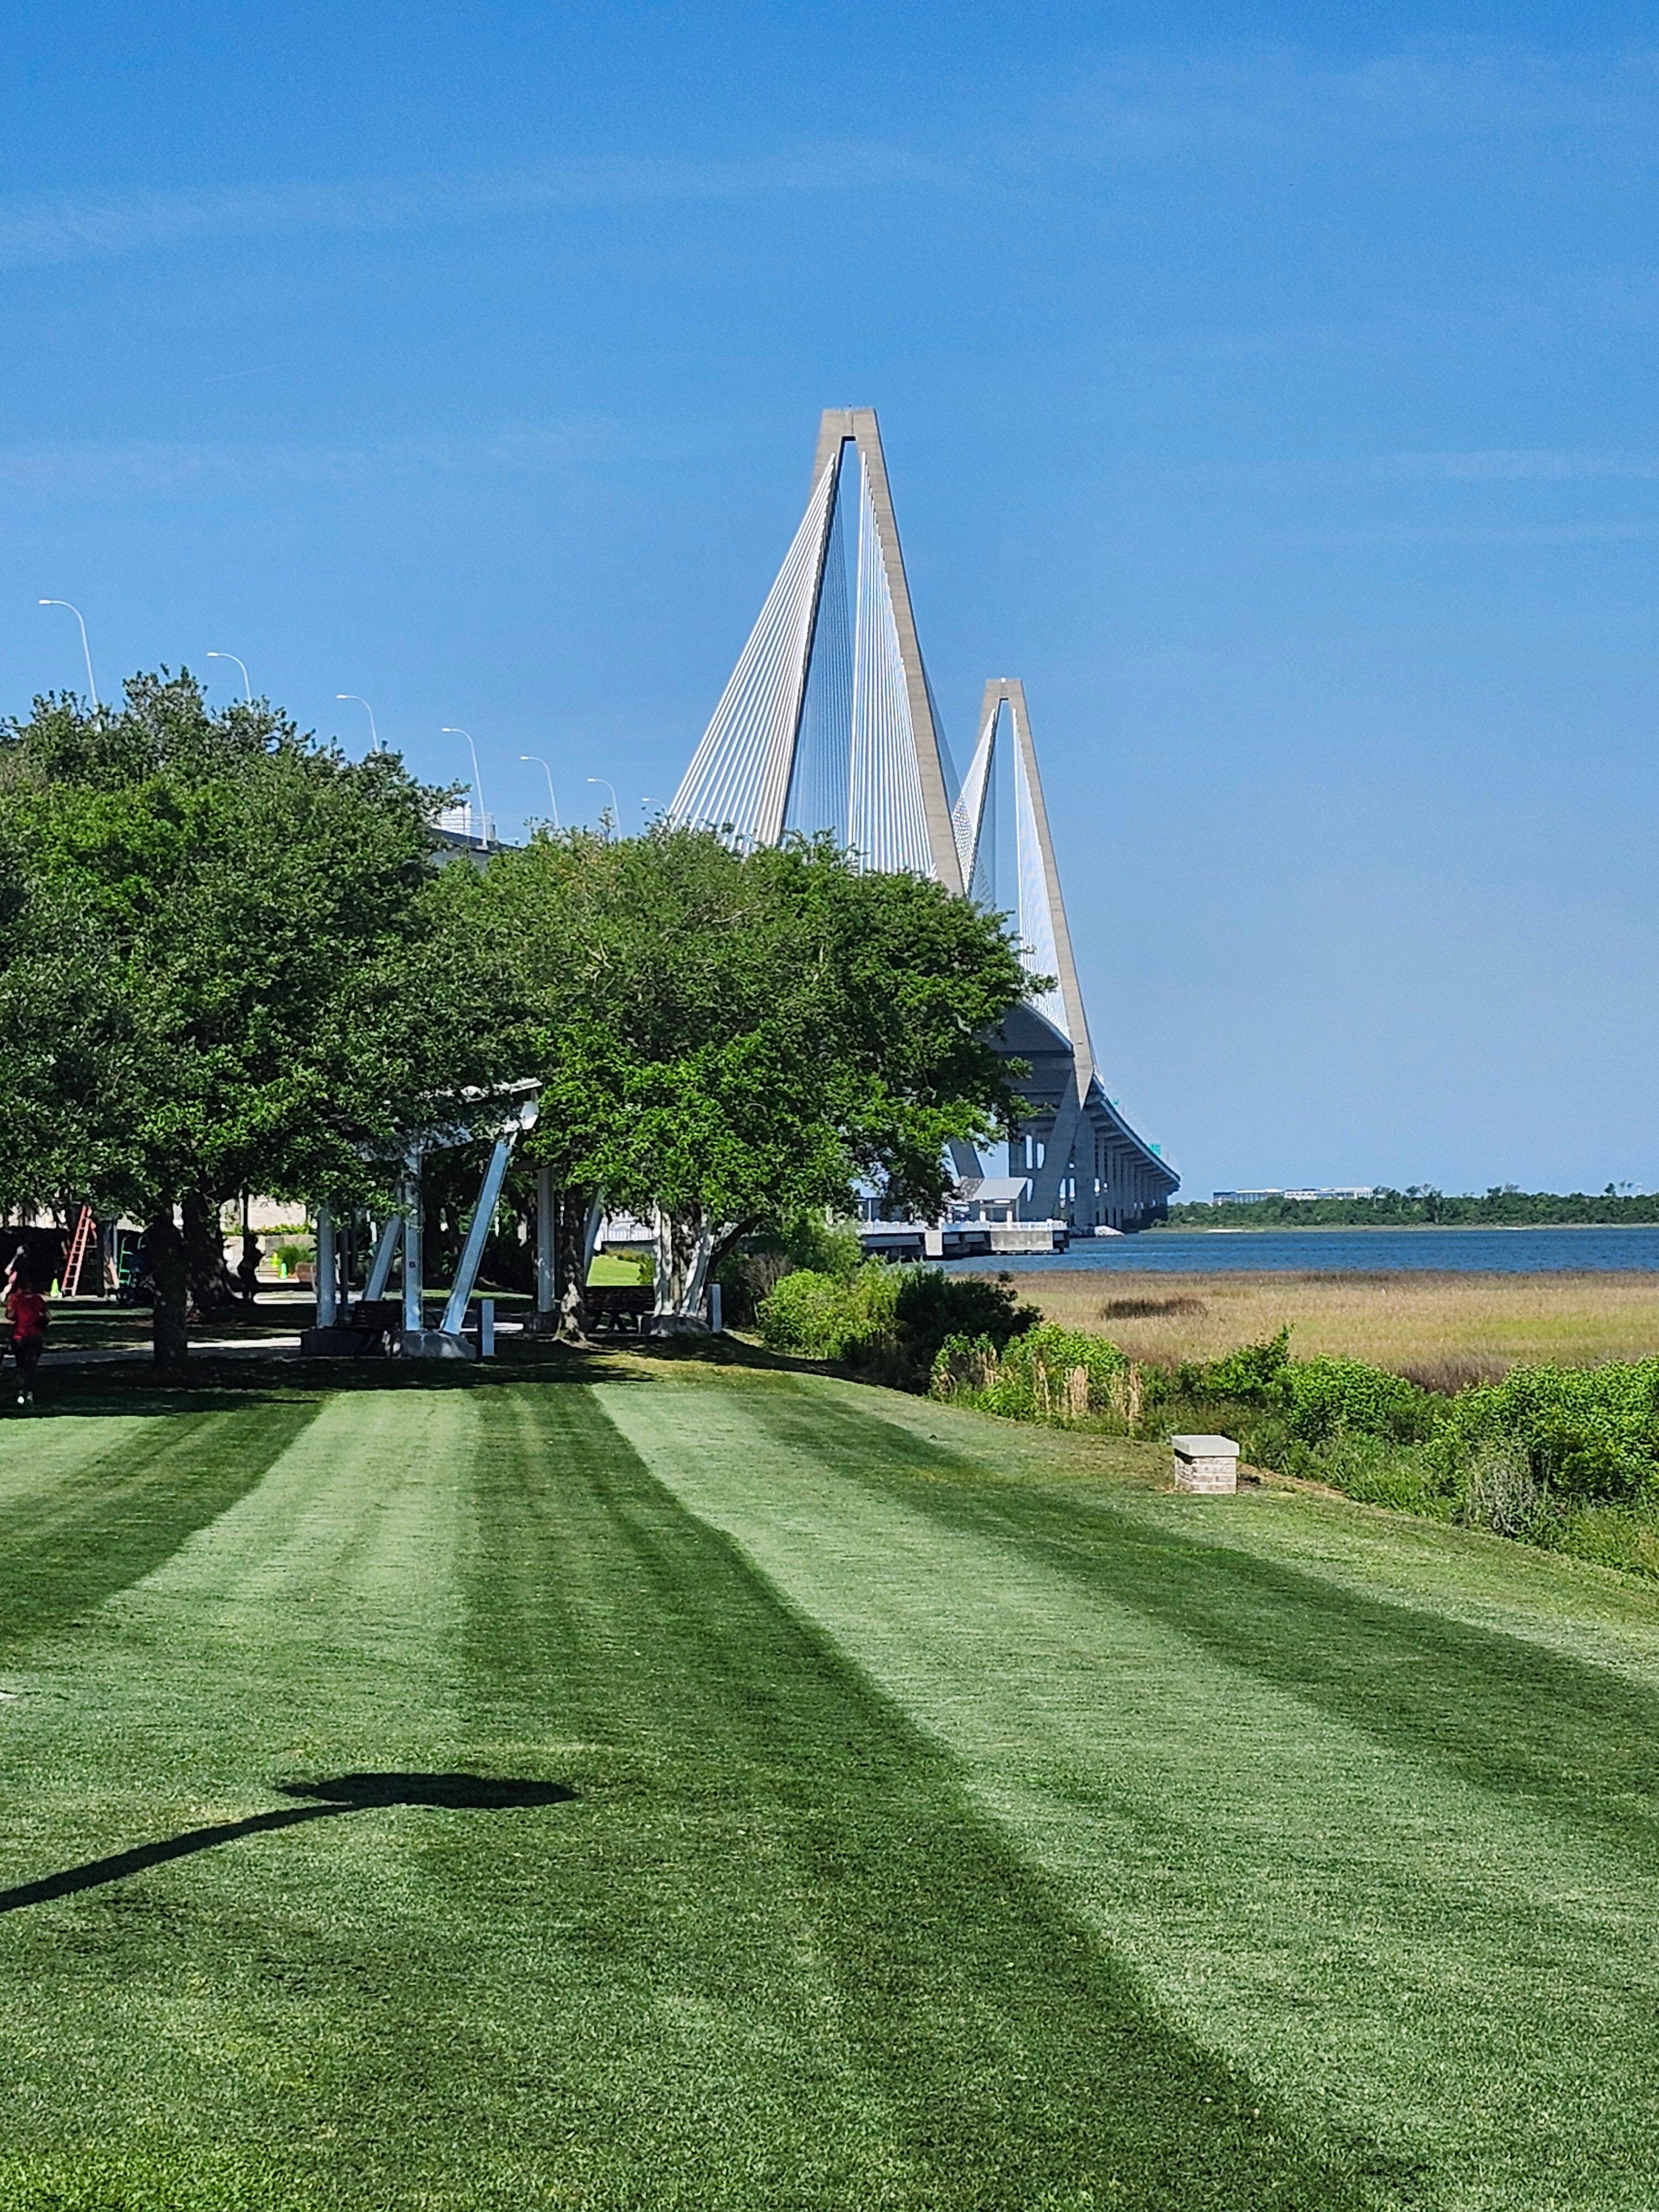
(81,1243)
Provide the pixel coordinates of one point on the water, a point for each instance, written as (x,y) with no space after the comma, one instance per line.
(1333,1251)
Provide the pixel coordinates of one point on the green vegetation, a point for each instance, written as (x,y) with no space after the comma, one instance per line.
(222,966)
(1423,1207)
(908,1810)
(1044,1374)
(884,1322)
(1567,1458)
(229,960)
(729,1041)
(627,1269)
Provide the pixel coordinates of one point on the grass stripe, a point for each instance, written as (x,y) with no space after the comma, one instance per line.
(111,1500)
(1578,1741)
(795,1876)
(1411,1953)
(766,1956)
(217,2028)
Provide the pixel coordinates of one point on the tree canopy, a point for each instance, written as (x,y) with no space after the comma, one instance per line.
(730,1039)
(225,965)
(229,962)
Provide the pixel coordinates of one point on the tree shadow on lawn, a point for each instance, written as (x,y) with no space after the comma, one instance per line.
(344,1793)
(220,1385)
(1510,1712)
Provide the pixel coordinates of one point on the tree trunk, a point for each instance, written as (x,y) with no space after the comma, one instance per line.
(573,1209)
(211,1291)
(685,1243)
(164,1248)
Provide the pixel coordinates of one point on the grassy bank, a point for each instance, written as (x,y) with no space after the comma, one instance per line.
(1445,1330)
(903,1809)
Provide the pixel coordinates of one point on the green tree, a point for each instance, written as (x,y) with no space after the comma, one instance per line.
(246,933)
(729,1041)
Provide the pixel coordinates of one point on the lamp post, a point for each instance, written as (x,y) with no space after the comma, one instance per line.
(246,687)
(92,685)
(616,810)
(536,759)
(451,731)
(374,735)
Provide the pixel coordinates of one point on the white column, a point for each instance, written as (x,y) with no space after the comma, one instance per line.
(410,1196)
(326,1270)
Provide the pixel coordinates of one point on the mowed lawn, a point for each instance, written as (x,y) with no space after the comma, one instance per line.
(885,1808)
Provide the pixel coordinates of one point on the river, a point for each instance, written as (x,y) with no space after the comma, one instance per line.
(1459,1251)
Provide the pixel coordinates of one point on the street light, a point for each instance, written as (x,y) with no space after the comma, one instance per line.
(536,760)
(374,735)
(91,682)
(450,731)
(242,665)
(616,810)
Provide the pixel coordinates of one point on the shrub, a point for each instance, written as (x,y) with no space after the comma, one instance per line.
(1044,1374)
(1325,1398)
(1315,1399)
(1588,1433)
(825,1316)
(748,1275)
(933,1307)
(1374,1469)
(1251,1374)
(888,1322)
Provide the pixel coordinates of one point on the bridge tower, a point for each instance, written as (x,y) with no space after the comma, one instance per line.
(829,722)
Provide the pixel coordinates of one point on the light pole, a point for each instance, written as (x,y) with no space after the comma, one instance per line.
(242,665)
(536,759)
(92,685)
(374,735)
(616,810)
(450,731)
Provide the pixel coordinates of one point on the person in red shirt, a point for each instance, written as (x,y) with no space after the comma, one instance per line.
(26,1310)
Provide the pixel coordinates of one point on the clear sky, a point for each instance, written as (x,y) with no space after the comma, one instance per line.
(1272,389)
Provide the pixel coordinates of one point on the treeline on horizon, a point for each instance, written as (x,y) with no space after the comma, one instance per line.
(1422,1207)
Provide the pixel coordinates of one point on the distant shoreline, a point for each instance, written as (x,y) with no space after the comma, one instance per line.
(1393,1228)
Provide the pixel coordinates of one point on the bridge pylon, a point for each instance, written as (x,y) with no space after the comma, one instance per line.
(829,723)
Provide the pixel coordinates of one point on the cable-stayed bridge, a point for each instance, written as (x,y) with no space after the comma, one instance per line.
(829,723)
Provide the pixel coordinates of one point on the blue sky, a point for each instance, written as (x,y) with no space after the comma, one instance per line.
(1271,389)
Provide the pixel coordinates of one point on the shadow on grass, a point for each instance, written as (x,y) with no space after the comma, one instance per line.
(809,1855)
(1506,1711)
(213,1383)
(344,1793)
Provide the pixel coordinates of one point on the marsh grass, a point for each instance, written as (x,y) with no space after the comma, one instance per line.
(1445,1331)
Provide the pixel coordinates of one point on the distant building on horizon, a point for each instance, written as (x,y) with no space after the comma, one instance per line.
(1255,1197)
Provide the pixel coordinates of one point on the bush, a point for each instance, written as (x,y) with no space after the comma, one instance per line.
(1588,1433)
(826,1316)
(1315,1400)
(1044,1374)
(1251,1374)
(749,1274)
(1325,1398)
(1375,1470)
(934,1307)
(888,1322)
